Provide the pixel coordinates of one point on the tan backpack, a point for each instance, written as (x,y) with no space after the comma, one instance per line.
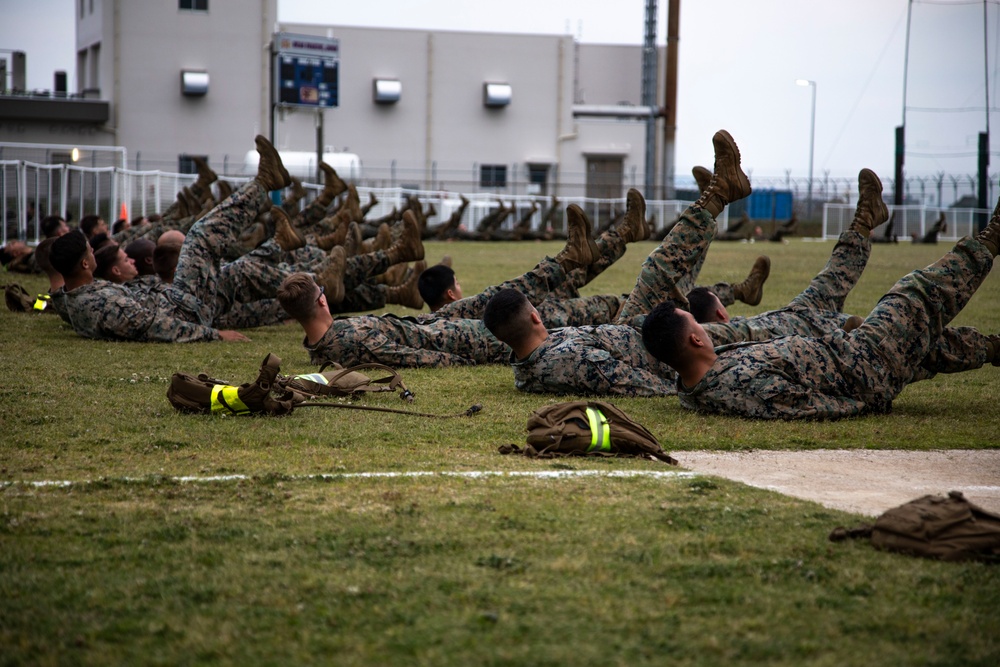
(587,428)
(948,528)
(207,395)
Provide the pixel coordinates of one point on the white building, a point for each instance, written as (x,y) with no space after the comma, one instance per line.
(133,57)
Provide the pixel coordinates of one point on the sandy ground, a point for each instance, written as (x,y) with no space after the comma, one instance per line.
(862,481)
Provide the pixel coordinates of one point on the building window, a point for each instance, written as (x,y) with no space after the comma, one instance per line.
(493,176)
(186,165)
(194,5)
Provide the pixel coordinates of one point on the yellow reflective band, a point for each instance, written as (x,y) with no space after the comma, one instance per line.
(318,378)
(227,399)
(600,434)
(41,302)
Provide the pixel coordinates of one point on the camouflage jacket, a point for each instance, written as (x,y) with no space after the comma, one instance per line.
(407,342)
(106,310)
(605,360)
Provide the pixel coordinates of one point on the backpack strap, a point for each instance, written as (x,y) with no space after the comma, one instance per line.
(473,410)
(392,382)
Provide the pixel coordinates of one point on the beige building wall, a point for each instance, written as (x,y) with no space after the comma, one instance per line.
(437,136)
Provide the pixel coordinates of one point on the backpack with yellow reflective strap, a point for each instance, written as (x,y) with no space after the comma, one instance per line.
(582,428)
(207,395)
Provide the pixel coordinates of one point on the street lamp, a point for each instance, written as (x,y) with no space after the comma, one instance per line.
(812,140)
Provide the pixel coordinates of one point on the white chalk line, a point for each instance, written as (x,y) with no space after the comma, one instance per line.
(209,479)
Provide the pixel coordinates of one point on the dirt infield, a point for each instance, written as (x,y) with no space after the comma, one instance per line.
(862,481)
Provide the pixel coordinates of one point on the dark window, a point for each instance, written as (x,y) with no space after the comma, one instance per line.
(186,164)
(194,5)
(493,176)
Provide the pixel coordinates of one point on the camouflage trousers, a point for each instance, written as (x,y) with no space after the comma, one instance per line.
(671,266)
(814,312)
(536,285)
(906,337)
(199,268)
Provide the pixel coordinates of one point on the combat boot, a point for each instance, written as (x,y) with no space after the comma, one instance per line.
(205,174)
(633,225)
(702,177)
(333,185)
(271,174)
(580,249)
(333,239)
(751,290)
(871,210)
(407,293)
(993,349)
(383,237)
(852,323)
(408,247)
(990,236)
(284,234)
(372,203)
(295,196)
(225,190)
(352,244)
(728,183)
(331,278)
(352,204)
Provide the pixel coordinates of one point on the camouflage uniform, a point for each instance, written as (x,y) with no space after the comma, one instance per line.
(453,336)
(57,303)
(903,340)
(184,311)
(814,312)
(611,359)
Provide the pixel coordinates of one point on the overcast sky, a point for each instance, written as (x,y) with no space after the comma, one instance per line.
(738,64)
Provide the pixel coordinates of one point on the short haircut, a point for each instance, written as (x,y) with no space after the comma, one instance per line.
(50,225)
(154,217)
(42,253)
(98,241)
(433,282)
(297,294)
(106,258)
(137,220)
(119,225)
(67,252)
(701,304)
(141,252)
(88,223)
(507,316)
(663,333)
(165,258)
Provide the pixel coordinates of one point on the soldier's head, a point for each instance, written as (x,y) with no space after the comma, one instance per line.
(171,236)
(72,255)
(141,252)
(438,286)
(669,332)
(53,226)
(165,258)
(93,224)
(301,297)
(705,305)
(114,265)
(43,254)
(513,320)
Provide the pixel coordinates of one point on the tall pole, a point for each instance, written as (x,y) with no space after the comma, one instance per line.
(649,94)
(812,142)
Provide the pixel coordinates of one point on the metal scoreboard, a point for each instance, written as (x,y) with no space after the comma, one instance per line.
(306,70)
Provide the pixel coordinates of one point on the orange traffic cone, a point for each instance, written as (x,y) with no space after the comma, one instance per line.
(123,214)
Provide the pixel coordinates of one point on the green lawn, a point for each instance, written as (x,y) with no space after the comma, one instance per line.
(128,565)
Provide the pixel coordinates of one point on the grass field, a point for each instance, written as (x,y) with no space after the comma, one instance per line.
(284,549)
